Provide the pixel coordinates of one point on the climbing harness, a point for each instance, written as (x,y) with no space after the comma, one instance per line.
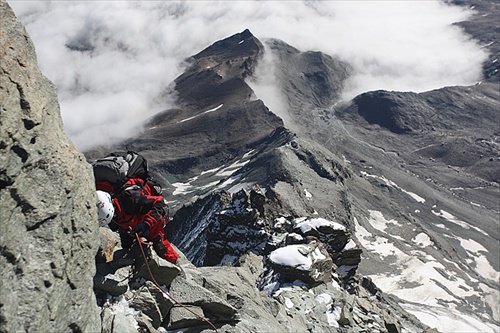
(140,242)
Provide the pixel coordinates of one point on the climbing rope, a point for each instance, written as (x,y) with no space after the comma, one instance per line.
(140,242)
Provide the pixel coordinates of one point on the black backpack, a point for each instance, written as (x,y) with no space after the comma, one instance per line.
(118,167)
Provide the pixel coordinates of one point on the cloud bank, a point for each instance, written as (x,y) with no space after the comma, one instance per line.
(110,60)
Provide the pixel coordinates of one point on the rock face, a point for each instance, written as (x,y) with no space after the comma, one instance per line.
(48,228)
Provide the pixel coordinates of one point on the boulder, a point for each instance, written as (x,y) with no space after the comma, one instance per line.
(310,263)
(334,235)
(153,302)
(256,311)
(112,283)
(163,271)
(181,317)
(117,322)
(190,293)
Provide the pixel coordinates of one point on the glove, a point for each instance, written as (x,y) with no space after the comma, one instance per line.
(141,229)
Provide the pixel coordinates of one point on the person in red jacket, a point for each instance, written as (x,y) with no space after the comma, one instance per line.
(136,208)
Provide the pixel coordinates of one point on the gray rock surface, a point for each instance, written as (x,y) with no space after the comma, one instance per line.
(152,302)
(309,262)
(48,230)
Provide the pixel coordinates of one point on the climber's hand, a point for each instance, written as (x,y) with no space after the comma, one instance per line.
(141,229)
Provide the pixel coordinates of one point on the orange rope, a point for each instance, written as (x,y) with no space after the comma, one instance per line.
(165,292)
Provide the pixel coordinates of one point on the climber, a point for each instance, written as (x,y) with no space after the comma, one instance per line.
(137,208)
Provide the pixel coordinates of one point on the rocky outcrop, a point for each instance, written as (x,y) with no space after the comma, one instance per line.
(48,229)
(157,290)
(254,294)
(309,263)
(238,228)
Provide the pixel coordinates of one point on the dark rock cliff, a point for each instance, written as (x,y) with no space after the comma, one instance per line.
(48,231)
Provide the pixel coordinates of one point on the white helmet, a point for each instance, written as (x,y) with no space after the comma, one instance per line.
(105,208)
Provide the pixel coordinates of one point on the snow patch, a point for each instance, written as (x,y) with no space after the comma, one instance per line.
(422,239)
(324,298)
(393,184)
(333,315)
(296,237)
(191,118)
(182,188)
(214,109)
(483,267)
(314,223)
(451,218)
(292,256)
(280,222)
(121,305)
(241,186)
(379,222)
(423,282)
(349,246)
(449,320)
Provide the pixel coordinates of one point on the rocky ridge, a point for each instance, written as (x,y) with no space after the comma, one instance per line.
(229,296)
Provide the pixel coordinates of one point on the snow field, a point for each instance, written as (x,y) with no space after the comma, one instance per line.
(421,279)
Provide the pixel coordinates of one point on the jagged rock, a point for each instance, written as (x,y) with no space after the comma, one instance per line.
(107,317)
(189,225)
(145,323)
(116,322)
(189,293)
(215,75)
(222,280)
(113,283)
(181,317)
(163,271)
(236,229)
(334,235)
(346,316)
(295,304)
(256,311)
(48,233)
(152,301)
(222,65)
(310,263)
(350,255)
(253,264)
(391,326)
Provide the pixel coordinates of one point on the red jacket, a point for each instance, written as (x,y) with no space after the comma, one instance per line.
(125,220)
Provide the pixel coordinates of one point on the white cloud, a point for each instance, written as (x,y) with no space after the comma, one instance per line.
(138,47)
